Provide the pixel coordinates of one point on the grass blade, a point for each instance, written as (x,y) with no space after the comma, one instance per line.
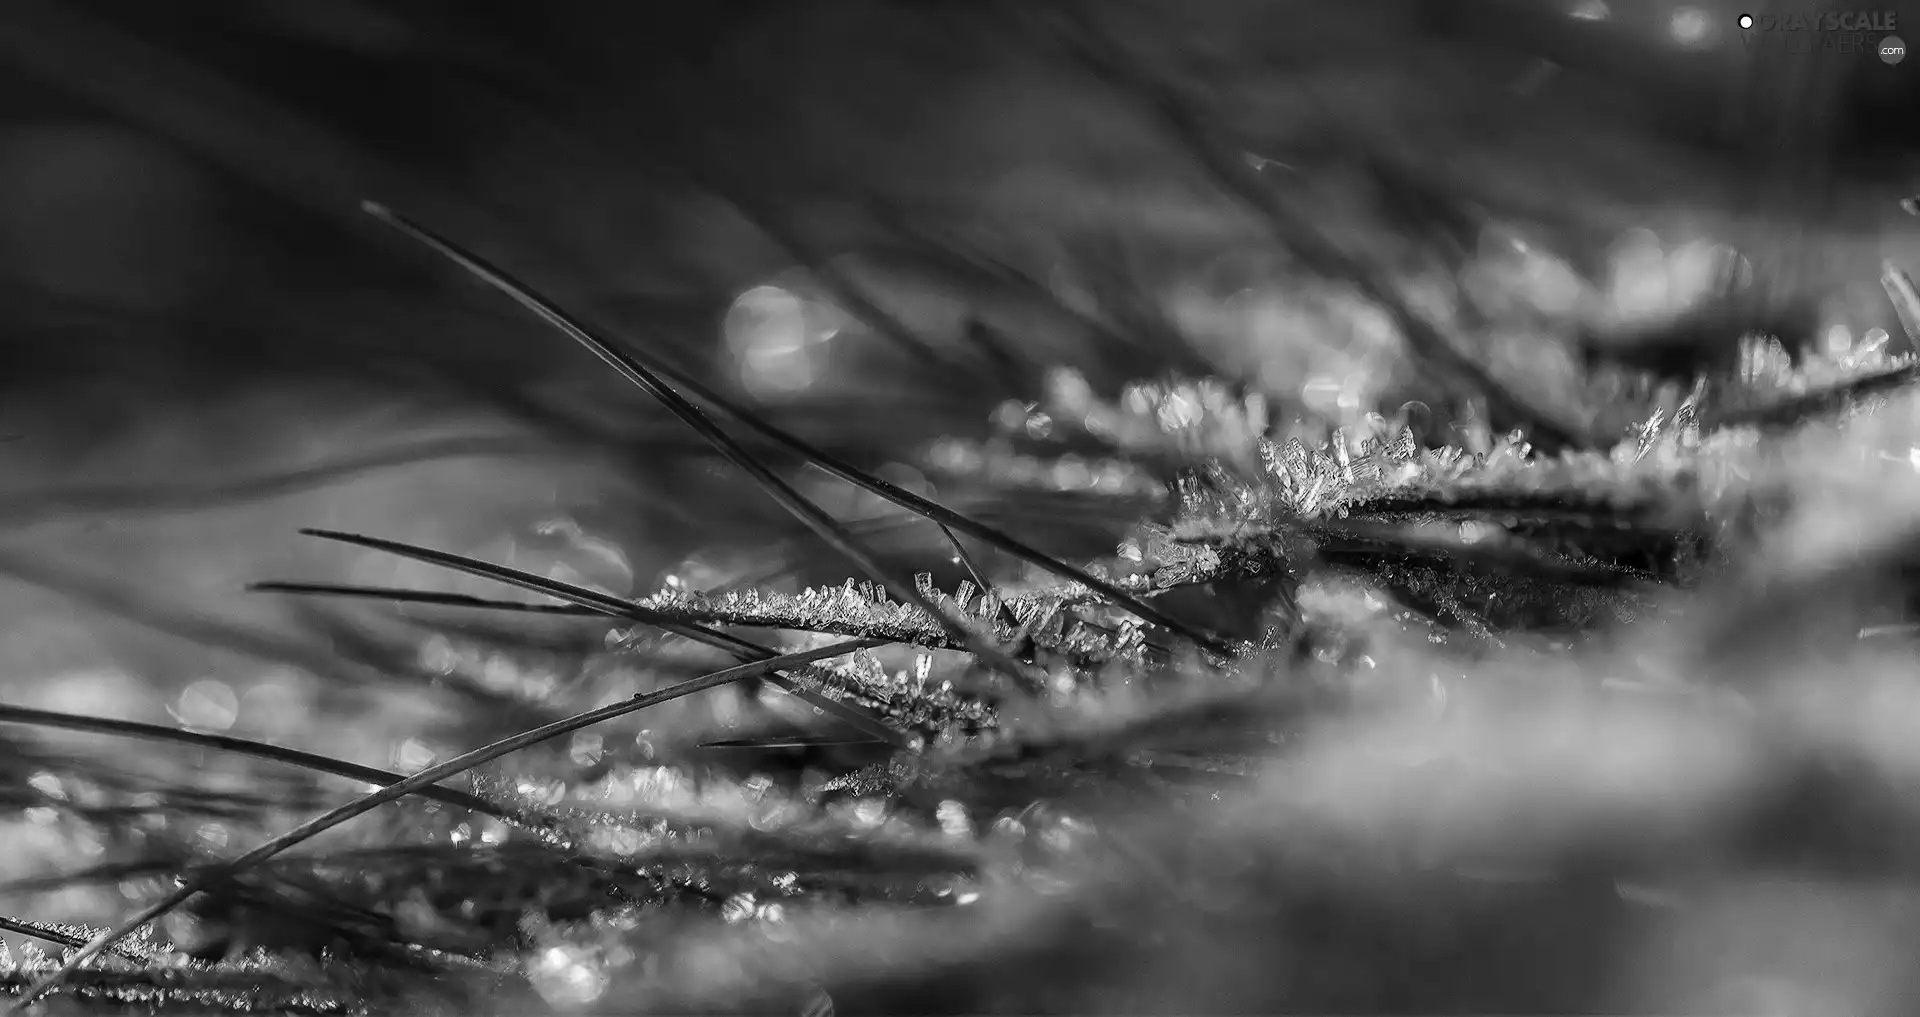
(823,525)
(65,935)
(398,595)
(604,603)
(1799,407)
(410,785)
(34,931)
(979,578)
(246,747)
(840,468)
(788,742)
(612,606)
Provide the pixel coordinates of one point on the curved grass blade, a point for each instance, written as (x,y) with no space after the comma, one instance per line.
(411,785)
(612,606)
(246,747)
(648,376)
(398,595)
(802,508)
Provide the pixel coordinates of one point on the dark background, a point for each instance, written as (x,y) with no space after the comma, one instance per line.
(200,163)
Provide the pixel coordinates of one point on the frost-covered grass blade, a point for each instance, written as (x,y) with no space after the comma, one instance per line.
(648,375)
(616,608)
(413,785)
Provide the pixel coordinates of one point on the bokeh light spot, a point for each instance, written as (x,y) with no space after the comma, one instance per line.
(774,336)
(207,705)
(1690,27)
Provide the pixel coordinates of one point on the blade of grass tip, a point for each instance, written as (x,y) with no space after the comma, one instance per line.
(612,606)
(227,743)
(938,513)
(899,496)
(823,525)
(580,596)
(932,510)
(979,579)
(410,785)
(397,595)
(851,474)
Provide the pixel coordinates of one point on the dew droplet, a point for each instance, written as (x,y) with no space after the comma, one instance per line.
(1415,415)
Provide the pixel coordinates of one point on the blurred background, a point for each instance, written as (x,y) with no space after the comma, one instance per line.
(875,221)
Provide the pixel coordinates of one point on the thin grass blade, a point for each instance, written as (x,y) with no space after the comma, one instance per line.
(612,606)
(831,464)
(973,571)
(398,595)
(34,931)
(791,742)
(242,746)
(823,525)
(410,785)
